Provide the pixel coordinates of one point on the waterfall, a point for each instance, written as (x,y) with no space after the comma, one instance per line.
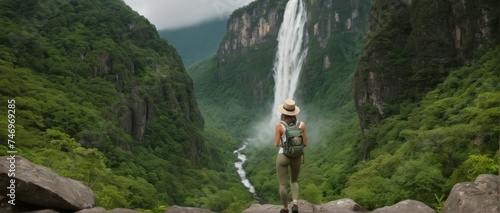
(292,50)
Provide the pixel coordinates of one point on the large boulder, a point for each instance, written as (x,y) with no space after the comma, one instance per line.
(480,196)
(345,206)
(40,187)
(407,206)
(337,206)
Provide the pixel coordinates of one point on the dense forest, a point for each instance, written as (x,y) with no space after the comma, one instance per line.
(101,98)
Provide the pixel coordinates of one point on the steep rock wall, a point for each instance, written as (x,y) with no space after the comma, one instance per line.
(408,51)
(335,30)
(250,26)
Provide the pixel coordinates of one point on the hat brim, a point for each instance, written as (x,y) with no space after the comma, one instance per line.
(286,112)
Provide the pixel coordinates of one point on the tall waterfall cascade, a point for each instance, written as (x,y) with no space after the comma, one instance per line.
(292,50)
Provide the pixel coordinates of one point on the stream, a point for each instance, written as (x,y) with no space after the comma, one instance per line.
(243,175)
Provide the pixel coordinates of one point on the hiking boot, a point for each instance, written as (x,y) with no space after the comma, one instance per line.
(295,208)
(284,211)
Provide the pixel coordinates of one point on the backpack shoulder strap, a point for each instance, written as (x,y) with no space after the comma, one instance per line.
(285,126)
(283,123)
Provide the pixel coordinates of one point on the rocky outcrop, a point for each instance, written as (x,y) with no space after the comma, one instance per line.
(179,209)
(480,196)
(32,188)
(406,206)
(346,206)
(40,187)
(249,26)
(412,45)
(343,205)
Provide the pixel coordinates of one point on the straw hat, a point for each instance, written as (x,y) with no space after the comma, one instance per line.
(289,108)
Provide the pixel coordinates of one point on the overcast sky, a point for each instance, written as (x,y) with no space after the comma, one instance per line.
(181,13)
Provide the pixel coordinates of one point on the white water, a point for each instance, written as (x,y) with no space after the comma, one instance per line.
(292,50)
(241,171)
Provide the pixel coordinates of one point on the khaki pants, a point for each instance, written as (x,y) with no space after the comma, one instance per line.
(282,164)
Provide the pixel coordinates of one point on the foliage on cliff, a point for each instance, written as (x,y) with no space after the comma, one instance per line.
(413,45)
(102,99)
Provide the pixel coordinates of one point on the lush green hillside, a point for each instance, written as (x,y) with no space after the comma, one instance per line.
(198,42)
(228,92)
(100,98)
(450,136)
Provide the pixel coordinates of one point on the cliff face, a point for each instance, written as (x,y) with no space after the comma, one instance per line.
(256,23)
(412,45)
(335,29)
(248,27)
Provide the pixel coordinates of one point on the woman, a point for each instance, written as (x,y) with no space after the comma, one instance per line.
(288,115)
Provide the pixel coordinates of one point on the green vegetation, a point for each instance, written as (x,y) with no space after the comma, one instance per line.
(450,136)
(233,93)
(100,98)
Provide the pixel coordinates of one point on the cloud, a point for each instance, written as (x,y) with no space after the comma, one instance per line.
(173,14)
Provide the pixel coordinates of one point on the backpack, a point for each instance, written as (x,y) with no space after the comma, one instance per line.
(293,146)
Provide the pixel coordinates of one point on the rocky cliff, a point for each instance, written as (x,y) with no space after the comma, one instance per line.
(247,52)
(412,45)
(250,26)
(254,24)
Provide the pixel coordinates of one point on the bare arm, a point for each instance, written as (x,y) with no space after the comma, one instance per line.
(278,132)
(304,133)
